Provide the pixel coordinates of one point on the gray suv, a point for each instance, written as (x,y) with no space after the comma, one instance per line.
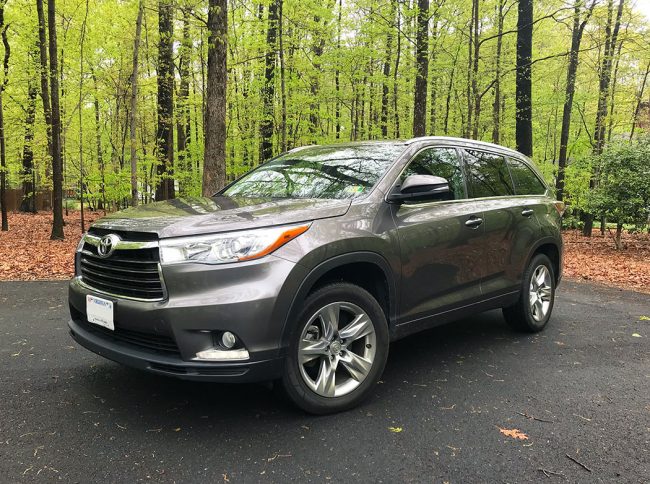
(306,268)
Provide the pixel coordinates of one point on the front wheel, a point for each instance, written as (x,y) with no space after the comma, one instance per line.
(337,351)
(533,309)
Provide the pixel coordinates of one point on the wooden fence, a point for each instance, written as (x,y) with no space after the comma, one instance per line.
(15,195)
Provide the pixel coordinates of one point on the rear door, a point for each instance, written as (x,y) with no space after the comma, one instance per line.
(491,187)
(532,206)
(441,244)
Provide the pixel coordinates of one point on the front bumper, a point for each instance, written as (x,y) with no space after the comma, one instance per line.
(250,299)
(130,355)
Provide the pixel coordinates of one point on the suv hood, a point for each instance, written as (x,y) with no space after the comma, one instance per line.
(197,215)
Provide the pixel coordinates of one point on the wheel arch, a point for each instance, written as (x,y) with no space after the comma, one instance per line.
(368,270)
(550,247)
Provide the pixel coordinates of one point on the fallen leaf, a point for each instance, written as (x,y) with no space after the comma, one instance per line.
(594,258)
(513,433)
(644,318)
(636,335)
(396,430)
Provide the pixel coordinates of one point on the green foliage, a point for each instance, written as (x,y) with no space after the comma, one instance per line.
(622,193)
(369,36)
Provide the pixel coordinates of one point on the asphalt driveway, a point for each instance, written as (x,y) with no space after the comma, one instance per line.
(580,390)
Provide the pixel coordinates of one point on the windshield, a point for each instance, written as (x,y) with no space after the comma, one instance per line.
(337,172)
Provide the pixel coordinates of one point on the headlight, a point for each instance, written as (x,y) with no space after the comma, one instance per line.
(228,247)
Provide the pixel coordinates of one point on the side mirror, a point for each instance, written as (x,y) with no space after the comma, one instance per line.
(421,187)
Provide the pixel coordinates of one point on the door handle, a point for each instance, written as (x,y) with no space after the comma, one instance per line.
(474,222)
(527,212)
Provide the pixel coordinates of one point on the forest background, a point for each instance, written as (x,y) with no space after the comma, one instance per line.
(110,103)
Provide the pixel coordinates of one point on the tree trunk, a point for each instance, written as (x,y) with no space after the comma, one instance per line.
(433,78)
(337,74)
(422,69)
(80,112)
(576,38)
(267,125)
(475,58)
(496,107)
(314,108)
(28,203)
(214,165)
(619,232)
(611,36)
(283,89)
(183,135)
(450,89)
(3,167)
(134,106)
(45,85)
(398,54)
(468,88)
(3,150)
(57,156)
(98,144)
(386,75)
(524,108)
(612,99)
(639,99)
(165,134)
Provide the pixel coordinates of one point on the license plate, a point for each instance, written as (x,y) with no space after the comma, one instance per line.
(100,311)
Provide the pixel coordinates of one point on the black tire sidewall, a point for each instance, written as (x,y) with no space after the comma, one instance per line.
(292,381)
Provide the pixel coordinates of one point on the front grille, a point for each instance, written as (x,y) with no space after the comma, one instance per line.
(154,342)
(131,273)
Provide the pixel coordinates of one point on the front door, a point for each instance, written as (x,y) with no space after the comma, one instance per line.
(441,242)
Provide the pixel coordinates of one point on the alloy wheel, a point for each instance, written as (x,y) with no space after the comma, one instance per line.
(540,293)
(337,349)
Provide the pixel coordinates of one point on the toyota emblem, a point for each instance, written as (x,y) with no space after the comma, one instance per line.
(107,245)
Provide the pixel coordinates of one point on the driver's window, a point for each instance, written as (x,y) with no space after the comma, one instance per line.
(442,162)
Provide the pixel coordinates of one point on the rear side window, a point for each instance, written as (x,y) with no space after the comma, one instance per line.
(443,162)
(525,180)
(488,175)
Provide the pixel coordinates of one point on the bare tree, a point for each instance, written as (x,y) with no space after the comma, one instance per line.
(611,38)
(267,125)
(579,24)
(3,151)
(57,155)
(524,108)
(639,99)
(214,163)
(134,106)
(422,68)
(45,84)
(165,135)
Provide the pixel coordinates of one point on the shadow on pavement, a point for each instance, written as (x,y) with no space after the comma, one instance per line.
(153,402)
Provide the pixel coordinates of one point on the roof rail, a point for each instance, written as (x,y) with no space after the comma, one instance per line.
(299,148)
(462,140)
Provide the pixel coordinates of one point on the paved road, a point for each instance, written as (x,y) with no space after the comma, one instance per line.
(66,414)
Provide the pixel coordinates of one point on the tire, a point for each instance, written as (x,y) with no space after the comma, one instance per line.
(531,313)
(334,367)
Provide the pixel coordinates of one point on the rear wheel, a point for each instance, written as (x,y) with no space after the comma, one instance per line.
(533,309)
(337,351)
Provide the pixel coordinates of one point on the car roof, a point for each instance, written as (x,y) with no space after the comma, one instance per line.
(461,142)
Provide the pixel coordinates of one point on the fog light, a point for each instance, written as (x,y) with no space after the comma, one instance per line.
(228,340)
(221,355)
